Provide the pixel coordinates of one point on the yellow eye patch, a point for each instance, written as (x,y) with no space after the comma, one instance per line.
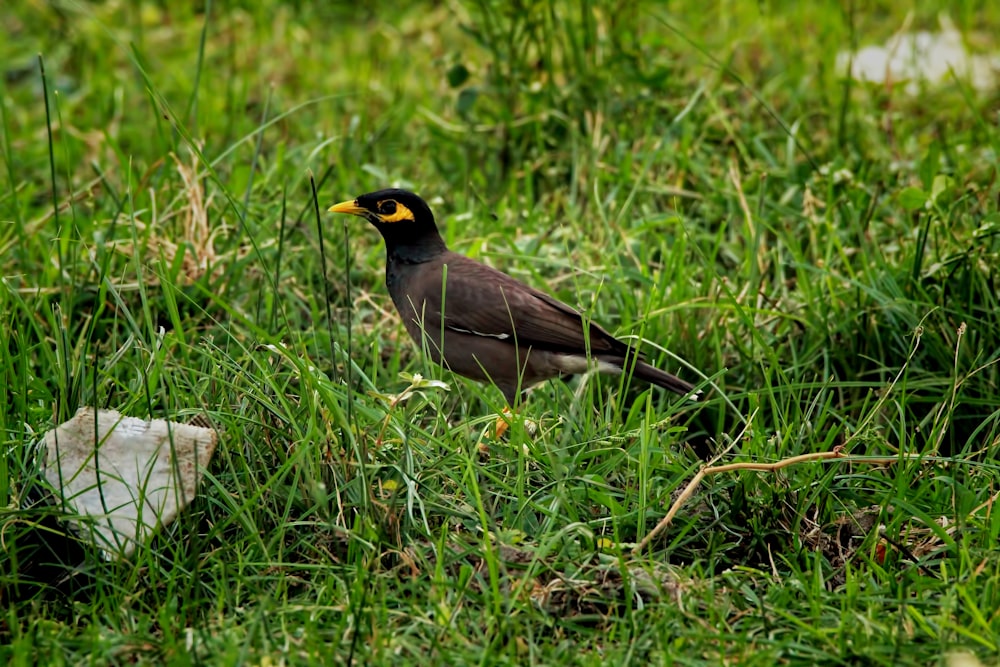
(400,214)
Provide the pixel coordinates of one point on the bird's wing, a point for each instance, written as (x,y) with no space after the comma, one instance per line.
(479,299)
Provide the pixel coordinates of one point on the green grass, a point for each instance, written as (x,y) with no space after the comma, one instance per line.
(698,175)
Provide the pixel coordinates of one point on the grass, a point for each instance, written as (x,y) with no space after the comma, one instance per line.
(823,253)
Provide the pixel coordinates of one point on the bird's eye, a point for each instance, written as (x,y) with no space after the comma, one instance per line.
(387,207)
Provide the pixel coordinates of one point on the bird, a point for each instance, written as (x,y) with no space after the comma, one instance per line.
(481,323)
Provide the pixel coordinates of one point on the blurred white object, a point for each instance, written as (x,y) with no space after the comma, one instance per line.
(121,477)
(921,58)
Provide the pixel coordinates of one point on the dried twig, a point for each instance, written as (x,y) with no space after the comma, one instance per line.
(837,453)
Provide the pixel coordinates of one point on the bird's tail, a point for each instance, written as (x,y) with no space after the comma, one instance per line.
(654,375)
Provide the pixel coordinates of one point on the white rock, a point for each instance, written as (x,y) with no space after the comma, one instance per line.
(133,477)
(921,58)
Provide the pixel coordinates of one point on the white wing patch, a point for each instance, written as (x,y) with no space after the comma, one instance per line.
(499,336)
(576,364)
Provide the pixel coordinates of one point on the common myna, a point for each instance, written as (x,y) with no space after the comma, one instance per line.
(487,325)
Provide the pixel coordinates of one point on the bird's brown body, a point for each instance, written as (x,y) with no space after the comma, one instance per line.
(480,322)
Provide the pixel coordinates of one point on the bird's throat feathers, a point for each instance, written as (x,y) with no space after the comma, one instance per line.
(411,242)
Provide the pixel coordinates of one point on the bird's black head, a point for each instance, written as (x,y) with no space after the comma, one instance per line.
(404,220)
(385,207)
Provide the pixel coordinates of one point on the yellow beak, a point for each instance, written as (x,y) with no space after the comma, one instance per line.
(350,206)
